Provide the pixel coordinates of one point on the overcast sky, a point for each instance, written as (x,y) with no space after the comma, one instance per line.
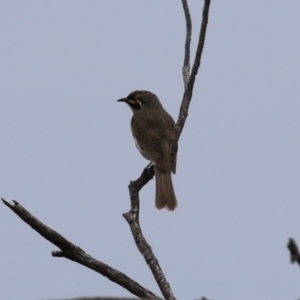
(67,154)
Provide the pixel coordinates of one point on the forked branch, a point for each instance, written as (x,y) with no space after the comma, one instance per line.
(132,216)
(187,96)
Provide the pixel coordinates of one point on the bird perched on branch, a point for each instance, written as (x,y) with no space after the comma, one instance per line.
(155,136)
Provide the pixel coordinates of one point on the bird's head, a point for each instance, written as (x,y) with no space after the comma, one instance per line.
(138,99)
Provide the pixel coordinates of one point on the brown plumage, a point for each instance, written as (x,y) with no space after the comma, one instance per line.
(155,136)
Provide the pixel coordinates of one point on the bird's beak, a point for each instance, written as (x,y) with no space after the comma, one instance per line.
(122,100)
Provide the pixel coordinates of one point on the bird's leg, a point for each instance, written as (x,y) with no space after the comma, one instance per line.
(148,171)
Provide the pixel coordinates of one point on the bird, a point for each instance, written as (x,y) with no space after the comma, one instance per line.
(155,137)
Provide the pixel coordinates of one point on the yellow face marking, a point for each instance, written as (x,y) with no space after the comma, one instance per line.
(135,102)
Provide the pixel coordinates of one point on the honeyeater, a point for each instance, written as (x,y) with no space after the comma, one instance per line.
(155,136)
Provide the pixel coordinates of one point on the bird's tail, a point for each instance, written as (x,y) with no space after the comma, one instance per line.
(165,195)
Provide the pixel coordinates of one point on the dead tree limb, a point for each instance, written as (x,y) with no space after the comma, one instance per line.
(75,253)
(294,252)
(132,217)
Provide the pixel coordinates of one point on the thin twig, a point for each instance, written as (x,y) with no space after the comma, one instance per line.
(186,63)
(74,253)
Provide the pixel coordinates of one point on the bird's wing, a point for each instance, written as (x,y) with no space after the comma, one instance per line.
(153,145)
(158,139)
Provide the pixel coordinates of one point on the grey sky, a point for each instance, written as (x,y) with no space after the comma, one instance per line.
(67,154)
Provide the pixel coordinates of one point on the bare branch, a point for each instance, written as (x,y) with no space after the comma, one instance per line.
(186,63)
(75,253)
(294,252)
(132,217)
(187,97)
